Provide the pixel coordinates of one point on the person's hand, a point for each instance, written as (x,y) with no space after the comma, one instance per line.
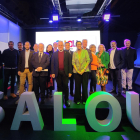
(70,74)
(101,65)
(19,73)
(53,75)
(82,71)
(39,69)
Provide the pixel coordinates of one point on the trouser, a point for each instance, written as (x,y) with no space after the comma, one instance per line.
(62,83)
(7,74)
(127,75)
(40,82)
(116,78)
(81,80)
(71,83)
(23,76)
(93,80)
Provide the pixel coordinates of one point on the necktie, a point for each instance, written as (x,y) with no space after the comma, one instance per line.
(40,58)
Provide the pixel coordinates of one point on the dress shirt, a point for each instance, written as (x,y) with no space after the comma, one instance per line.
(27,53)
(112,65)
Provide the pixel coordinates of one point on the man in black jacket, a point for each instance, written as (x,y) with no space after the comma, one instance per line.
(10,59)
(25,68)
(129,55)
(116,63)
(61,67)
(40,62)
(67,47)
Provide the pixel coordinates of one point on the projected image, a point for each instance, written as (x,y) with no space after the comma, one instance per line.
(93,37)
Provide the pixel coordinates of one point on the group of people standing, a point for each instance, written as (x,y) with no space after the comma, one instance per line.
(40,68)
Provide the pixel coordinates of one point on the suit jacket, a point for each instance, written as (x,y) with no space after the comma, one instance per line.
(21,62)
(130,58)
(90,56)
(67,63)
(0,59)
(45,61)
(118,58)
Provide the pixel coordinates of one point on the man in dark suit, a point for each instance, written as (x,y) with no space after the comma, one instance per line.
(67,47)
(25,68)
(129,55)
(116,63)
(40,62)
(61,67)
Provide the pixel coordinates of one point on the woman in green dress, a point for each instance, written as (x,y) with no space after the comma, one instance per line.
(80,62)
(102,71)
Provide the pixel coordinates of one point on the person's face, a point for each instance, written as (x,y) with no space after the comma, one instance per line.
(49,48)
(11,45)
(41,47)
(20,46)
(60,46)
(113,45)
(27,45)
(67,46)
(55,45)
(101,48)
(127,44)
(84,44)
(36,47)
(93,49)
(79,45)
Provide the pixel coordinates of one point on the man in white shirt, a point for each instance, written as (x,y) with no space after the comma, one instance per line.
(116,63)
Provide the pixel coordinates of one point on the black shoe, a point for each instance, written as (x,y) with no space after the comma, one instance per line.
(130,90)
(67,104)
(119,94)
(113,91)
(124,91)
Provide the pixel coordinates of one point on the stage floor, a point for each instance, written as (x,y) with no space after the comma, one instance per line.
(84,132)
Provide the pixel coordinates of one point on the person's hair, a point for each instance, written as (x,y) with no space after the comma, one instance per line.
(28,42)
(19,43)
(92,45)
(49,45)
(103,46)
(77,42)
(41,43)
(67,42)
(11,42)
(127,40)
(113,41)
(84,39)
(55,42)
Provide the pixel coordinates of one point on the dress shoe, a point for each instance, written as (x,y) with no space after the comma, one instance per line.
(13,95)
(119,94)
(113,91)
(124,91)
(67,103)
(130,90)
(5,97)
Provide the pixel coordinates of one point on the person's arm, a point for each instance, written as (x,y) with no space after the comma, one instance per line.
(90,56)
(33,61)
(122,58)
(19,64)
(73,62)
(107,60)
(70,63)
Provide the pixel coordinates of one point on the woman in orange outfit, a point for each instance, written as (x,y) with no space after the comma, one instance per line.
(94,65)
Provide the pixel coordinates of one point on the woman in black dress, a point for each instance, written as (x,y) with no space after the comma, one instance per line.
(50,82)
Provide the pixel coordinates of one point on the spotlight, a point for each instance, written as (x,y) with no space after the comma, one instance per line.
(55,17)
(79,19)
(106,17)
(50,21)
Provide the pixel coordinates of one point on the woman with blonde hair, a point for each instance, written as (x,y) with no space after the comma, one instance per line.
(94,66)
(102,71)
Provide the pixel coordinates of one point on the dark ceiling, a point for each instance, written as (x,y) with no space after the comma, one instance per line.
(30,12)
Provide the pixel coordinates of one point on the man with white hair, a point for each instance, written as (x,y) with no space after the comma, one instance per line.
(61,67)
(130,56)
(40,62)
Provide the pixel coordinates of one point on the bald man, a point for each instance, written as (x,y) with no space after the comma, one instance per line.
(25,68)
(40,62)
